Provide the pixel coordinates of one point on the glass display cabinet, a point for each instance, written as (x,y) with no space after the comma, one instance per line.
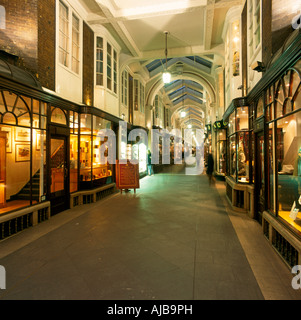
(220,130)
(207,142)
(93,170)
(239,187)
(238,145)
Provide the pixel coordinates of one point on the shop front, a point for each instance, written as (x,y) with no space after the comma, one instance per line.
(239,186)
(220,130)
(50,152)
(276,100)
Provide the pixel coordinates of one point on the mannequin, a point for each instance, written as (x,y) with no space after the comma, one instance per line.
(241,161)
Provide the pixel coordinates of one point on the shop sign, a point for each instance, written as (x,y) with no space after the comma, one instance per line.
(127,176)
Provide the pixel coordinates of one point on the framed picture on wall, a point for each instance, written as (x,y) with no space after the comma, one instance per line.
(22,152)
(22,134)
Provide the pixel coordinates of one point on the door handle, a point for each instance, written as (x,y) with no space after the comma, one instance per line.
(65,171)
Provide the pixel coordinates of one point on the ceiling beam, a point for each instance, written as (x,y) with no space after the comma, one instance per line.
(209,16)
(119,28)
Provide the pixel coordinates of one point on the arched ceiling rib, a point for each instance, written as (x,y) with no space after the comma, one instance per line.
(195,45)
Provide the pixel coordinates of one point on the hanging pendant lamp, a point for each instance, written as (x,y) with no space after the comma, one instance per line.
(166,74)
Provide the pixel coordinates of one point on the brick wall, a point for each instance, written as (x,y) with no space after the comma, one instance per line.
(88,65)
(46,43)
(21,32)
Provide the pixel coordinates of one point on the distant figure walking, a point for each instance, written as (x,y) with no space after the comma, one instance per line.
(150,170)
(210,166)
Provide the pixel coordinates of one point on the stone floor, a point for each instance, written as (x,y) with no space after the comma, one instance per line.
(174,239)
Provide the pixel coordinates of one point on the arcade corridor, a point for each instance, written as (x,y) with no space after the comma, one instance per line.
(174,239)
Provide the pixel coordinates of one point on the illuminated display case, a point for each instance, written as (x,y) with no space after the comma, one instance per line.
(94,167)
(238,145)
(220,129)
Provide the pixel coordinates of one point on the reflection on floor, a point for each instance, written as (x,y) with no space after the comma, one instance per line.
(14,205)
(295,223)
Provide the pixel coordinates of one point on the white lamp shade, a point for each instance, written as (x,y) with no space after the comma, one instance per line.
(183,114)
(166,77)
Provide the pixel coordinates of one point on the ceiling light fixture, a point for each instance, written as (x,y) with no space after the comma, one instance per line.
(166,74)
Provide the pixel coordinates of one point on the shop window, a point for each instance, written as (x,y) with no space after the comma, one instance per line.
(73,124)
(93,169)
(242,119)
(259,108)
(24,150)
(58,116)
(232,153)
(243,157)
(24,120)
(231,124)
(238,144)
(221,151)
(289,168)
(271,173)
(9,118)
(73,162)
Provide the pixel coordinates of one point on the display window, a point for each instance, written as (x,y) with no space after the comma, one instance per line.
(73,123)
(232,158)
(243,158)
(22,151)
(242,119)
(272,176)
(94,166)
(284,123)
(238,145)
(289,167)
(221,151)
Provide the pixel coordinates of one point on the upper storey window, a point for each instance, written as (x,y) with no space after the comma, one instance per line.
(106,65)
(69,38)
(63,35)
(254,26)
(99,61)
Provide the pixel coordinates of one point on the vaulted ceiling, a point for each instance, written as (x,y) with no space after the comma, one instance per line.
(194,41)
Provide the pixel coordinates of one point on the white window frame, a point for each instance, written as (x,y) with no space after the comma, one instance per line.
(75,62)
(73,48)
(254,27)
(124,87)
(109,66)
(99,61)
(64,35)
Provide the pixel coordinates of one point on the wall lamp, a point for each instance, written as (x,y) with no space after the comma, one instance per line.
(258,66)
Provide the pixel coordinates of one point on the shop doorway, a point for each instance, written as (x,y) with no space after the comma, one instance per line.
(259,177)
(59,173)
